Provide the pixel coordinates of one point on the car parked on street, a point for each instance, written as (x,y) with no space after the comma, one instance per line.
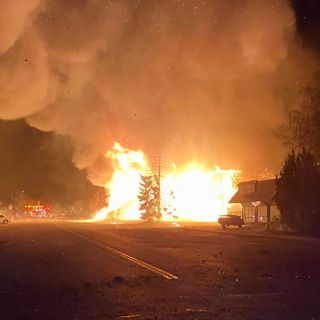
(230,220)
(3,219)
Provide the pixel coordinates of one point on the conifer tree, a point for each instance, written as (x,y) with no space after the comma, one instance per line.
(303,127)
(298,191)
(149,198)
(156,198)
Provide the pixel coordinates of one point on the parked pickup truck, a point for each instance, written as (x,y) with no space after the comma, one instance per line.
(230,220)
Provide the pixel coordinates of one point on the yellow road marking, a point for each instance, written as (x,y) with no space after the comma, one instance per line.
(164,274)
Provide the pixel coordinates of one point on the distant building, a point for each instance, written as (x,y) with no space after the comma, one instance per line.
(257,200)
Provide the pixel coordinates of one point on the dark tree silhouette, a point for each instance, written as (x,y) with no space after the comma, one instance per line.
(98,200)
(298,191)
(303,128)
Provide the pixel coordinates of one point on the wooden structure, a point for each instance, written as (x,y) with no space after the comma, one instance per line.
(257,200)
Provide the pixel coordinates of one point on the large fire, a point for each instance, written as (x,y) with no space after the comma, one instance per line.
(192,193)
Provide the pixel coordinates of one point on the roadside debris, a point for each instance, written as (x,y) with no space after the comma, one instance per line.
(118,279)
(302,276)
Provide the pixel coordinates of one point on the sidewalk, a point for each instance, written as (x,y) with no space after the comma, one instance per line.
(251,230)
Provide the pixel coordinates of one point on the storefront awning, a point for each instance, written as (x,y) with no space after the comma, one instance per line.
(254,191)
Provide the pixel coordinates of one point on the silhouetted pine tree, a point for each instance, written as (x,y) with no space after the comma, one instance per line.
(156,198)
(298,191)
(303,128)
(287,190)
(149,198)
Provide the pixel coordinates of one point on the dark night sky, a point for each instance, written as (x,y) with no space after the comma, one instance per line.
(308,21)
(41,163)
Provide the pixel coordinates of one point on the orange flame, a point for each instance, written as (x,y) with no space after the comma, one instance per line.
(200,194)
(193,194)
(123,187)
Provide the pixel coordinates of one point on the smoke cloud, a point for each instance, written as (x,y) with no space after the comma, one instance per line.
(206,80)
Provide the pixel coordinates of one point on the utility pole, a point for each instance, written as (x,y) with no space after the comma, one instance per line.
(159,185)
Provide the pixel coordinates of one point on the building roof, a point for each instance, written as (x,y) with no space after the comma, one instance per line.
(253,191)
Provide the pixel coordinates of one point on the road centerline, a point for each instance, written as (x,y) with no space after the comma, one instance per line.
(143,264)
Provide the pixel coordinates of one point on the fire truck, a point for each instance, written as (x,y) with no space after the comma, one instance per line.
(37,210)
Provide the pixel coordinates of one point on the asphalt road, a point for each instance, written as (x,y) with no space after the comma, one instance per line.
(73,270)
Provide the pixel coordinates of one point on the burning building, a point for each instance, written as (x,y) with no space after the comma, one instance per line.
(194,192)
(184,77)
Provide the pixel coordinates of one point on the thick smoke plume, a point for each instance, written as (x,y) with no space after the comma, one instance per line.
(206,80)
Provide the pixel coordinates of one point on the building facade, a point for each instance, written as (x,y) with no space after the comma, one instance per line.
(257,200)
